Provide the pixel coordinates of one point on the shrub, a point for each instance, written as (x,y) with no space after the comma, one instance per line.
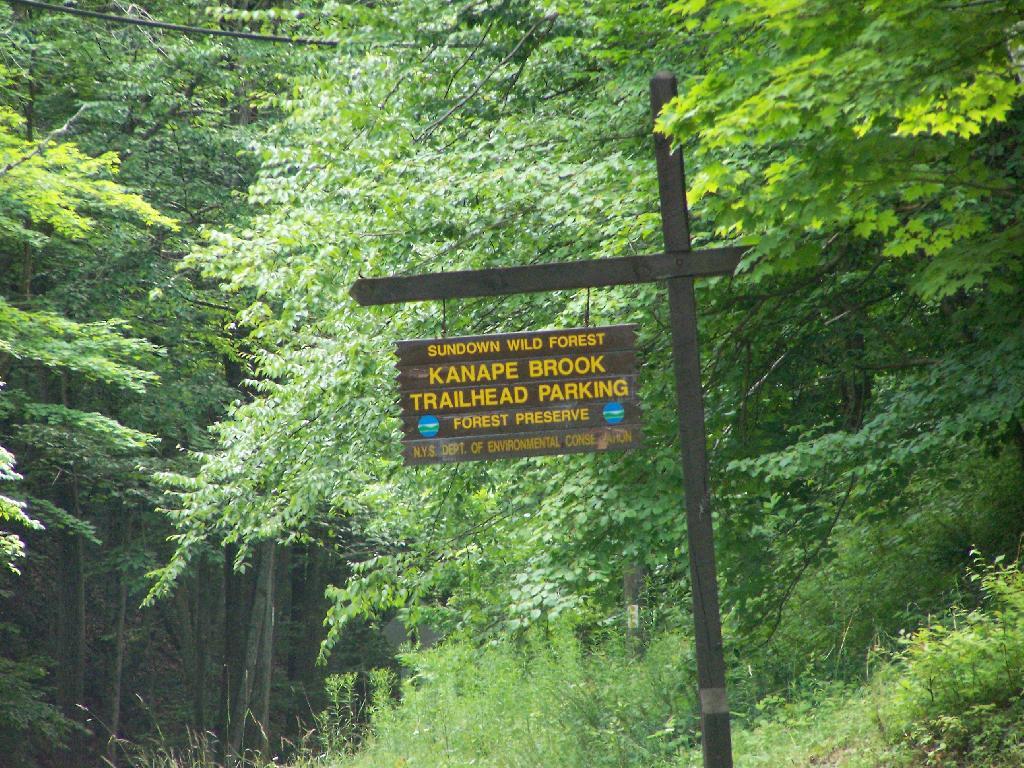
(343,724)
(26,719)
(959,689)
(542,704)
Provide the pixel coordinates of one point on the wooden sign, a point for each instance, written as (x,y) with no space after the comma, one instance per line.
(519,394)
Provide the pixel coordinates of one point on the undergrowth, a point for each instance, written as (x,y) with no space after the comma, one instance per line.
(544,704)
(952,696)
(957,692)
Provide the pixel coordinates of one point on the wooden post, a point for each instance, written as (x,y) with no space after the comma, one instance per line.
(715,733)
(632,582)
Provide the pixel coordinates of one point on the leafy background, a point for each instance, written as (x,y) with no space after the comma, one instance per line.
(203,419)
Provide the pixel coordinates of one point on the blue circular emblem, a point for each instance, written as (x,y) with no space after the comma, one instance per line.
(614,413)
(428,425)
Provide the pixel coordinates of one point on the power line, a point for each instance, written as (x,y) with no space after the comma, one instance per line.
(173,27)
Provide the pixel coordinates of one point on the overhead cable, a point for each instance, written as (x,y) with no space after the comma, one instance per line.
(184,29)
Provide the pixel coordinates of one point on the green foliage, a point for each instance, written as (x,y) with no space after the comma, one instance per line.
(342,726)
(337,724)
(951,697)
(52,194)
(56,184)
(366,177)
(832,726)
(885,242)
(863,373)
(545,703)
(812,119)
(25,714)
(960,690)
(889,560)
(11,511)
(117,145)
(99,351)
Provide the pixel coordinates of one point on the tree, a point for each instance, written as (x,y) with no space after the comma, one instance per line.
(94,405)
(873,154)
(54,196)
(862,371)
(501,134)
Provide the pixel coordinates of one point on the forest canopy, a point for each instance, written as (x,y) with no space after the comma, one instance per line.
(199,438)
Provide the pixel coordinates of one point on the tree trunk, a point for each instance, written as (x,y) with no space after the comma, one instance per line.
(235,599)
(71,668)
(120,530)
(259,631)
(71,643)
(855,386)
(203,603)
(182,622)
(1018,438)
(116,682)
(265,668)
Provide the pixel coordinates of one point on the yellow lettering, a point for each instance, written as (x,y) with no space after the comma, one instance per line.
(471,373)
(548,367)
(525,344)
(575,340)
(585,438)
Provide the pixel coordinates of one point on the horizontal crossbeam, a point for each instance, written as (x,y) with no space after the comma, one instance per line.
(534,278)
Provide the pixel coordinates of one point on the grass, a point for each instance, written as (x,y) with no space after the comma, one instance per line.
(952,698)
(837,730)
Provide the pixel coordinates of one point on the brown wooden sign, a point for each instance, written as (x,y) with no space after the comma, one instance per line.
(519,394)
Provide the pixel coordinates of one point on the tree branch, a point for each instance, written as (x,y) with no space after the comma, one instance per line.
(435,124)
(808,561)
(41,147)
